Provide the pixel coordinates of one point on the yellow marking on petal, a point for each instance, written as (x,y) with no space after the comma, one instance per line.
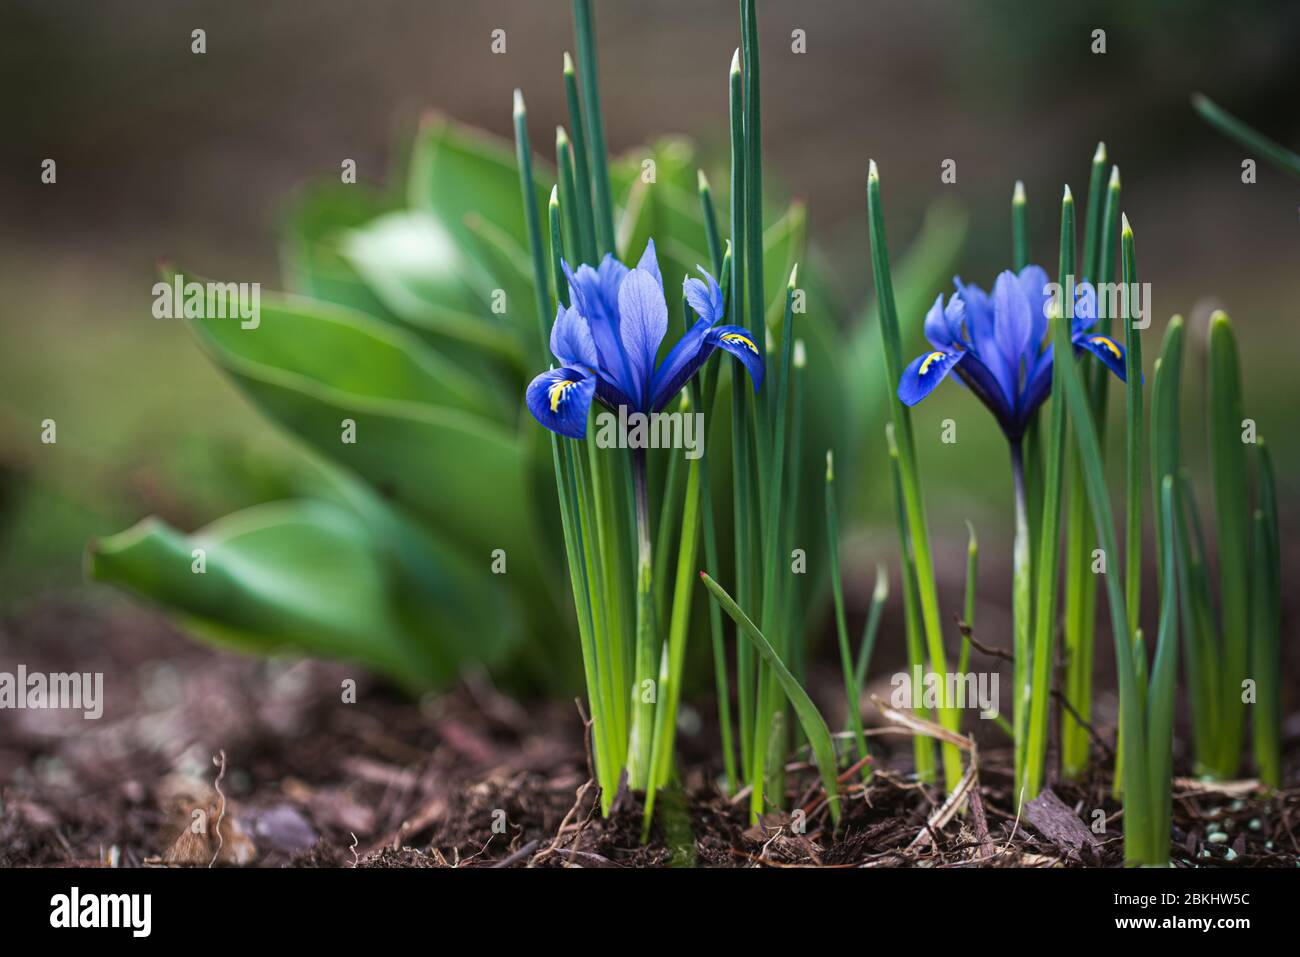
(737,337)
(930,360)
(558,392)
(1103,341)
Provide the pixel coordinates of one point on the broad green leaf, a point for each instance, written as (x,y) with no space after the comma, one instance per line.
(302,576)
(346,350)
(456,171)
(420,272)
(312,262)
(465,475)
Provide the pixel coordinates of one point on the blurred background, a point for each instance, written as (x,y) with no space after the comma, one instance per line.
(163,154)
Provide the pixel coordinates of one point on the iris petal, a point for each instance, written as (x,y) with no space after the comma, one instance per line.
(650,263)
(924,374)
(740,343)
(704,296)
(936,325)
(1104,348)
(681,363)
(1012,322)
(571,340)
(1033,282)
(559,399)
(643,316)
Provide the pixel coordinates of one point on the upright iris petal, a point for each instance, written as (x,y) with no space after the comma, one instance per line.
(996,346)
(608,340)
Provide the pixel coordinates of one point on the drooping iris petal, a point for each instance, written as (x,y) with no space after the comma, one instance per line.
(924,373)
(704,296)
(1104,348)
(559,399)
(643,316)
(1012,322)
(680,365)
(571,340)
(740,343)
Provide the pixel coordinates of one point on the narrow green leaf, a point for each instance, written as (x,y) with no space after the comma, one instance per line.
(1247,136)
(1231,495)
(852,690)
(811,720)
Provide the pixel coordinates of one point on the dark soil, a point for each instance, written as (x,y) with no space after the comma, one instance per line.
(288,774)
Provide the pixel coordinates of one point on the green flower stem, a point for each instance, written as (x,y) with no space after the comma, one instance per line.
(1160,699)
(1093,239)
(745,522)
(922,746)
(585,30)
(541,285)
(1266,627)
(769,689)
(586,221)
(852,690)
(1080,582)
(968,607)
(1021,614)
(572,244)
(1231,493)
(871,628)
(1048,554)
(1019,228)
(644,693)
(1137,804)
(909,477)
(753,236)
(670,675)
(1133,444)
(710,219)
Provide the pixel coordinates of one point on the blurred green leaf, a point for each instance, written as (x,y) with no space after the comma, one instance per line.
(297,575)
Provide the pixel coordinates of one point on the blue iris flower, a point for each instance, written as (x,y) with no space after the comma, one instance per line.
(996,345)
(608,338)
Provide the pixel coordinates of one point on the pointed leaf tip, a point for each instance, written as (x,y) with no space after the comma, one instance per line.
(1100,155)
(568,62)
(1125,228)
(1114,177)
(1067,196)
(800,355)
(872,171)
(830,466)
(735,61)
(701,181)
(794,278)
(520,109)
(1018,194)
(555,195)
